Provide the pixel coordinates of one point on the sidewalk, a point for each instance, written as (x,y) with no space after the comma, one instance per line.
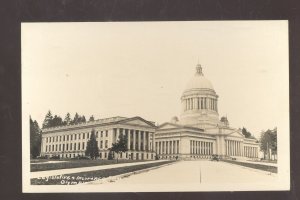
(85,169)
(259,163)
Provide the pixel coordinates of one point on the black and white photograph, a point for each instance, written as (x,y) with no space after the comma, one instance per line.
(155,106)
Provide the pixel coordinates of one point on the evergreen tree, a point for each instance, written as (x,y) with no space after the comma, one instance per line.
(67,119)
(246,133)
(91,118)
(76,119)
(92,149)
(120,146)
(35,139)
(82,119)
(48,120)
(56,121)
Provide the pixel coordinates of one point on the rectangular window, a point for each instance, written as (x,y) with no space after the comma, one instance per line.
(49,147)
(83,135)
(106,133)
(78,145)
(88,135)
(74,146)
(105,154)
(64,137)
(79,136)
(46,140)
(60,147)
(71,137)
(67,137)
(101,144)
(67,147)
(101,133)
(60,138)
(97,134)
(50,139)
(63,147)
(46,148)
(106,143)
(71,146)
(75,136)
(83,145)
(55,147)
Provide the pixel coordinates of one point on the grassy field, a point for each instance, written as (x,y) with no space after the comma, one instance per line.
(254,165)
(73,164)
(75,178)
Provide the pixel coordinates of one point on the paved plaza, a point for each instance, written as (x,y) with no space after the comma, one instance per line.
(200,172)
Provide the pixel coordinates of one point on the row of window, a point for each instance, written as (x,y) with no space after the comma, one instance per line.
(72,146)
(75,136)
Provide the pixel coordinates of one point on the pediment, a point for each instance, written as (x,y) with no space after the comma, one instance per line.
(138,121)
(235,134)
(168,126)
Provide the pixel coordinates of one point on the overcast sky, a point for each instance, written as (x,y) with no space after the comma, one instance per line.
(141,69)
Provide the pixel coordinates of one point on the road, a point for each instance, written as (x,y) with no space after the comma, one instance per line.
(222,176)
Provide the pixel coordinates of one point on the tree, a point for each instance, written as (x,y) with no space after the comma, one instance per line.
(268,142)
(82,119)
(35,138)
(91,118)
(67,119)
(76,119)
(92,149)
(56,121)
(48,120)
(246,133)
(120,145)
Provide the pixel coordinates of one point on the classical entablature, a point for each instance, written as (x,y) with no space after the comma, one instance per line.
(133,121)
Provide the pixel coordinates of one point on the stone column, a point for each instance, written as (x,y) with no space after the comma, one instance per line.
(139,141)
(134,140)
(144,140)
(117,135)
(171,147)
(128,139)
(148,141)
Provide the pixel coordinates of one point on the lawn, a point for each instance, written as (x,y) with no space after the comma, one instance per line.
(81,177)
(34,167)
(272,169)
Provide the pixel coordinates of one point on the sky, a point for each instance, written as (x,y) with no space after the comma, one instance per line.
(132,69)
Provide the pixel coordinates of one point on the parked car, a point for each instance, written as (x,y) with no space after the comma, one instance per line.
(215,157)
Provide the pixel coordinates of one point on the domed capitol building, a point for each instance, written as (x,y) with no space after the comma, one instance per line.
(197,134)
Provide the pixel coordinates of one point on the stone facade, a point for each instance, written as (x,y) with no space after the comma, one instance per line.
(70,141)
(199,133)
(196,135)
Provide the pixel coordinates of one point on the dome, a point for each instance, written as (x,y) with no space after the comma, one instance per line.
(199,81)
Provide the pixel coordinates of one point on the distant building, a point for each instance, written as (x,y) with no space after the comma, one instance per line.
(199,133)
(196,135)
(71,141)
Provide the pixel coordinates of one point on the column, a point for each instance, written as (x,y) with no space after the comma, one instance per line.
(117,135)
(134,140)
(139,140)
(128,139)
(178,147)
(144,140)
(171,147)
(159,148)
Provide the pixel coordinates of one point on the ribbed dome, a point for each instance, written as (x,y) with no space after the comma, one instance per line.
(199,81)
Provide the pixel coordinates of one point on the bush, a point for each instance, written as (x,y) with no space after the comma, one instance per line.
(156,157)
(42,157)
(55,157)
(84,158)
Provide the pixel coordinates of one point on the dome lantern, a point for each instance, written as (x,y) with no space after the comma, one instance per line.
(199,70)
